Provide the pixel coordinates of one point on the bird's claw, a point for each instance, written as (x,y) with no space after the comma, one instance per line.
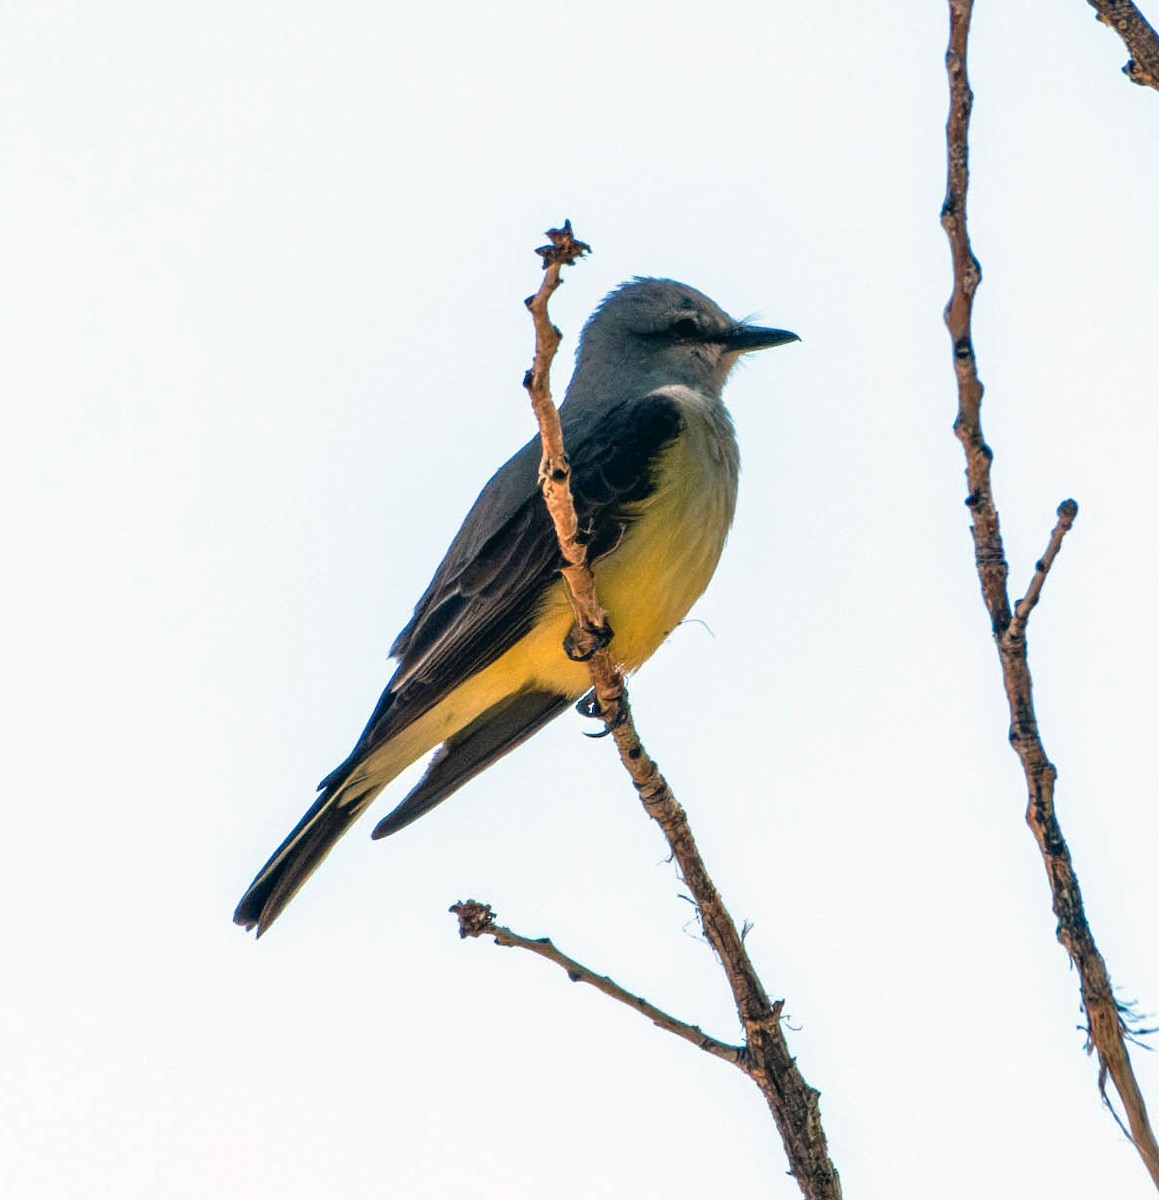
(589,706)
(581,644)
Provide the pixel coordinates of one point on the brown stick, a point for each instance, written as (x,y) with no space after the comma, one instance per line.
(765,1056)
(592,630)
(477,920)
(1140,39)
(1104,1021)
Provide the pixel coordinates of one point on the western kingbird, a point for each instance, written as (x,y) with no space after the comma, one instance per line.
(481,665)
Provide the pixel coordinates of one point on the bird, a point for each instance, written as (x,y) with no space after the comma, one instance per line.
(481,664)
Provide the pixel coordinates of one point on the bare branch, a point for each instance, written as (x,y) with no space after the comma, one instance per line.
(1067,511)
(1104,1021)
(1138,36)
(592,631)
(477,920)
(765,1056)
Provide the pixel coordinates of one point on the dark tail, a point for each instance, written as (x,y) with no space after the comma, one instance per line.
(501,728)
(296,859)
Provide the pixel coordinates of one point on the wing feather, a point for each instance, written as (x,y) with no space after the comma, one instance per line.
(488,591)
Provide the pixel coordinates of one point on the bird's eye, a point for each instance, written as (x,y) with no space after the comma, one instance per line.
(684,329)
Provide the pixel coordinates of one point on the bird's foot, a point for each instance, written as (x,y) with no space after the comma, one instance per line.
(581,644)
(589,706)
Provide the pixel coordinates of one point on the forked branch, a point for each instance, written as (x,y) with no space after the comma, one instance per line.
(765,1056)
(1104,1021)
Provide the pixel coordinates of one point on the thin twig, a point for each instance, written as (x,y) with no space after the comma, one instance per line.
(1138,36)
(478,920)
(1104,1021)
(1067,511)
(592,631)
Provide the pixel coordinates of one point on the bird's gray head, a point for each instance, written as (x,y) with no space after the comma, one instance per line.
(651,333)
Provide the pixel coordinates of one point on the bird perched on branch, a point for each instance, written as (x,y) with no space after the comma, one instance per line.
(481,665)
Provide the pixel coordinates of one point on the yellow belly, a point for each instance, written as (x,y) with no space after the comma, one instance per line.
(647,585)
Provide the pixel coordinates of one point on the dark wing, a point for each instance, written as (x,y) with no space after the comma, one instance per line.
(488,590)
(486,740)
(484,597)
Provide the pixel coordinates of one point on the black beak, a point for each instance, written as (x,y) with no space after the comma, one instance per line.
(743,338)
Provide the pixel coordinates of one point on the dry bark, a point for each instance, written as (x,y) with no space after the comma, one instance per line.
(1140,39)
(1105,1025)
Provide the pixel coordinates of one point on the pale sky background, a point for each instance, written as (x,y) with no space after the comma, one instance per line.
(261,342)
